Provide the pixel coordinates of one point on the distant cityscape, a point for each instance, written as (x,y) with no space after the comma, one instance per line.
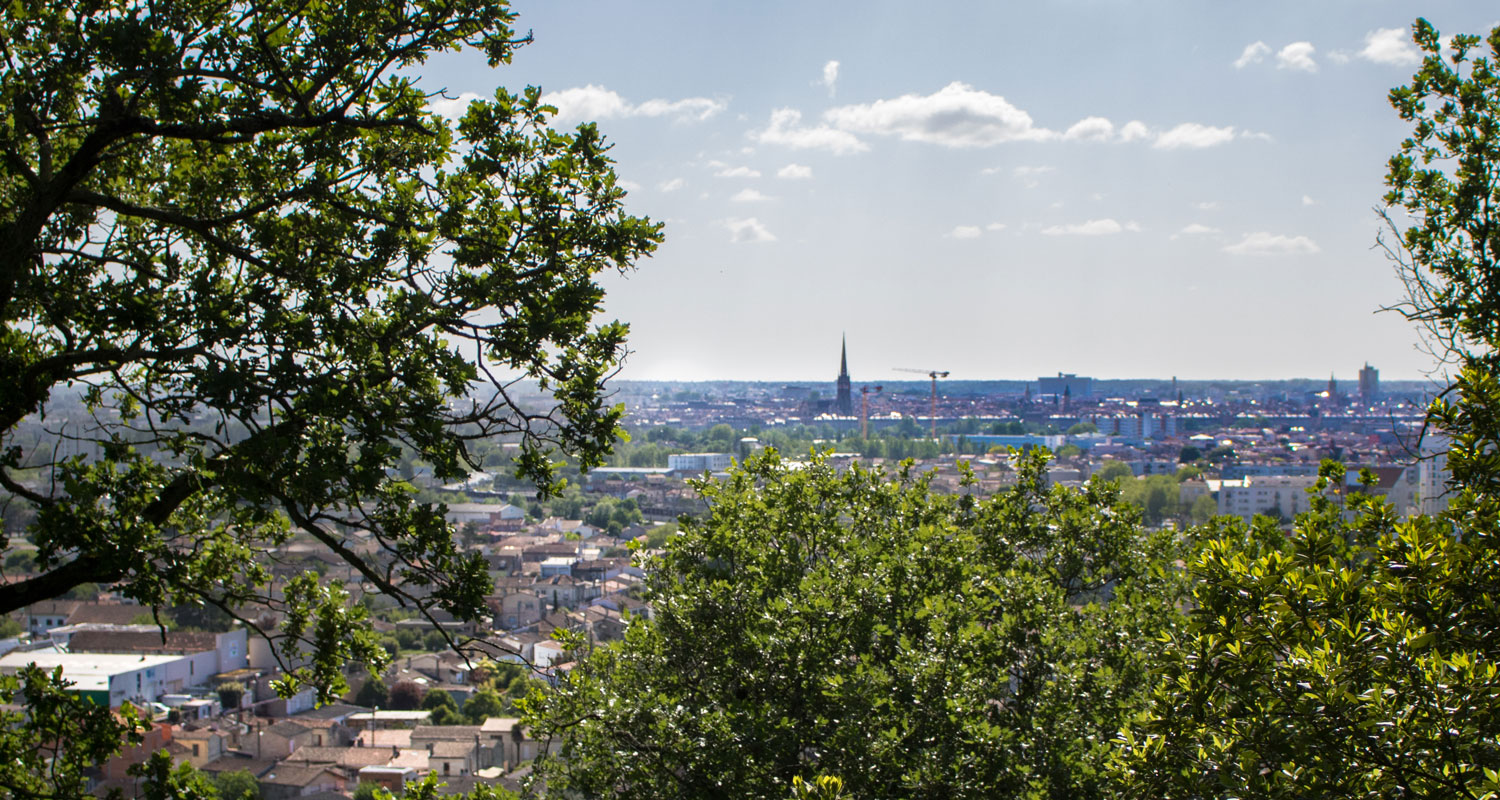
(1183,451)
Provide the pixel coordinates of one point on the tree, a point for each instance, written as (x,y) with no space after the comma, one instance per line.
(857,625)
(160,780)
(1357,656)
(484,704)
(406,696)
(237,785)
(1113,470)
(245,269)
(372,693)
(53,746)
(439,699)
(435,641)
(230,694)
(1443,178)
(444,715)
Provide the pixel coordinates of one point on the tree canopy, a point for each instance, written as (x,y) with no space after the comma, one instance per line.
(1359,655)
(245,269)
(859,625)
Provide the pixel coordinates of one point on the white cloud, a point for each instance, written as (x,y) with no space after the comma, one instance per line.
(1267,244)
(794,172)
(964,232)
(1195,229)
(785,130)
(955,116)
(1298,56)
(1339,56)
(1094,227)
(1133,130)
(593,102)
(737,172)
(671,185)
(451,107)
(830,76)
(1193,135)
(1090,129)
(1253,54)
(995,226)
(748,231)
(1390,46)
(1308,201)
(1207,205)
(750,196)
(627,185)
(1023,172)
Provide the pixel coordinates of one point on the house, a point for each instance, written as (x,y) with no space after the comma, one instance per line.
(200,745)
(286,781)
(284,737)
(515,609)
(509,741)
(115,774)
(561,589)
(453,758)
(390,778)
(458,749)
(604,624)
(48,614)
(348,761)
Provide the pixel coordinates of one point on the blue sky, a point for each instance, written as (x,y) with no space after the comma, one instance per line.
(1119,188)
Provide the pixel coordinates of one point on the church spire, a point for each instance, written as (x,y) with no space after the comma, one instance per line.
(844,399)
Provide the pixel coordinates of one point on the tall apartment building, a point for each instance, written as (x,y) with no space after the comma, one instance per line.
(1272,495)
(1369,384)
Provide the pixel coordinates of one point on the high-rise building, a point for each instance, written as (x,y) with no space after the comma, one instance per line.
(1369,384)
(844,404)
(1072,385)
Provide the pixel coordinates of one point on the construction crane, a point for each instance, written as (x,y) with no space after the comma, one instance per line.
(934,374)
(864,409)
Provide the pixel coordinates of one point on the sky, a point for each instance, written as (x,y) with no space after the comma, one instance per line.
(1003,190)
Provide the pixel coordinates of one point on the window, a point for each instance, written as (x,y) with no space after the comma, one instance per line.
(195,750)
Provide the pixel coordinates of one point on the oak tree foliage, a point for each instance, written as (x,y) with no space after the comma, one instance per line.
(245,269)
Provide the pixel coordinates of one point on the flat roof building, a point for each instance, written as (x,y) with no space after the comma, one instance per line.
(107,679)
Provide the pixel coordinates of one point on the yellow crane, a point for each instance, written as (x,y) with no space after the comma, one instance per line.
(934,374)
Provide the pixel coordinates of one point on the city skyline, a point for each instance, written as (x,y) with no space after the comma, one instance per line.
(1117,189)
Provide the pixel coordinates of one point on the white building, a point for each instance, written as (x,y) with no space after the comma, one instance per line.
(1272,495)
(699,462)
(1432,474)
(106,678)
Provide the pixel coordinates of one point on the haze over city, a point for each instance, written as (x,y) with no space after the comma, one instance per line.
(1120,189)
